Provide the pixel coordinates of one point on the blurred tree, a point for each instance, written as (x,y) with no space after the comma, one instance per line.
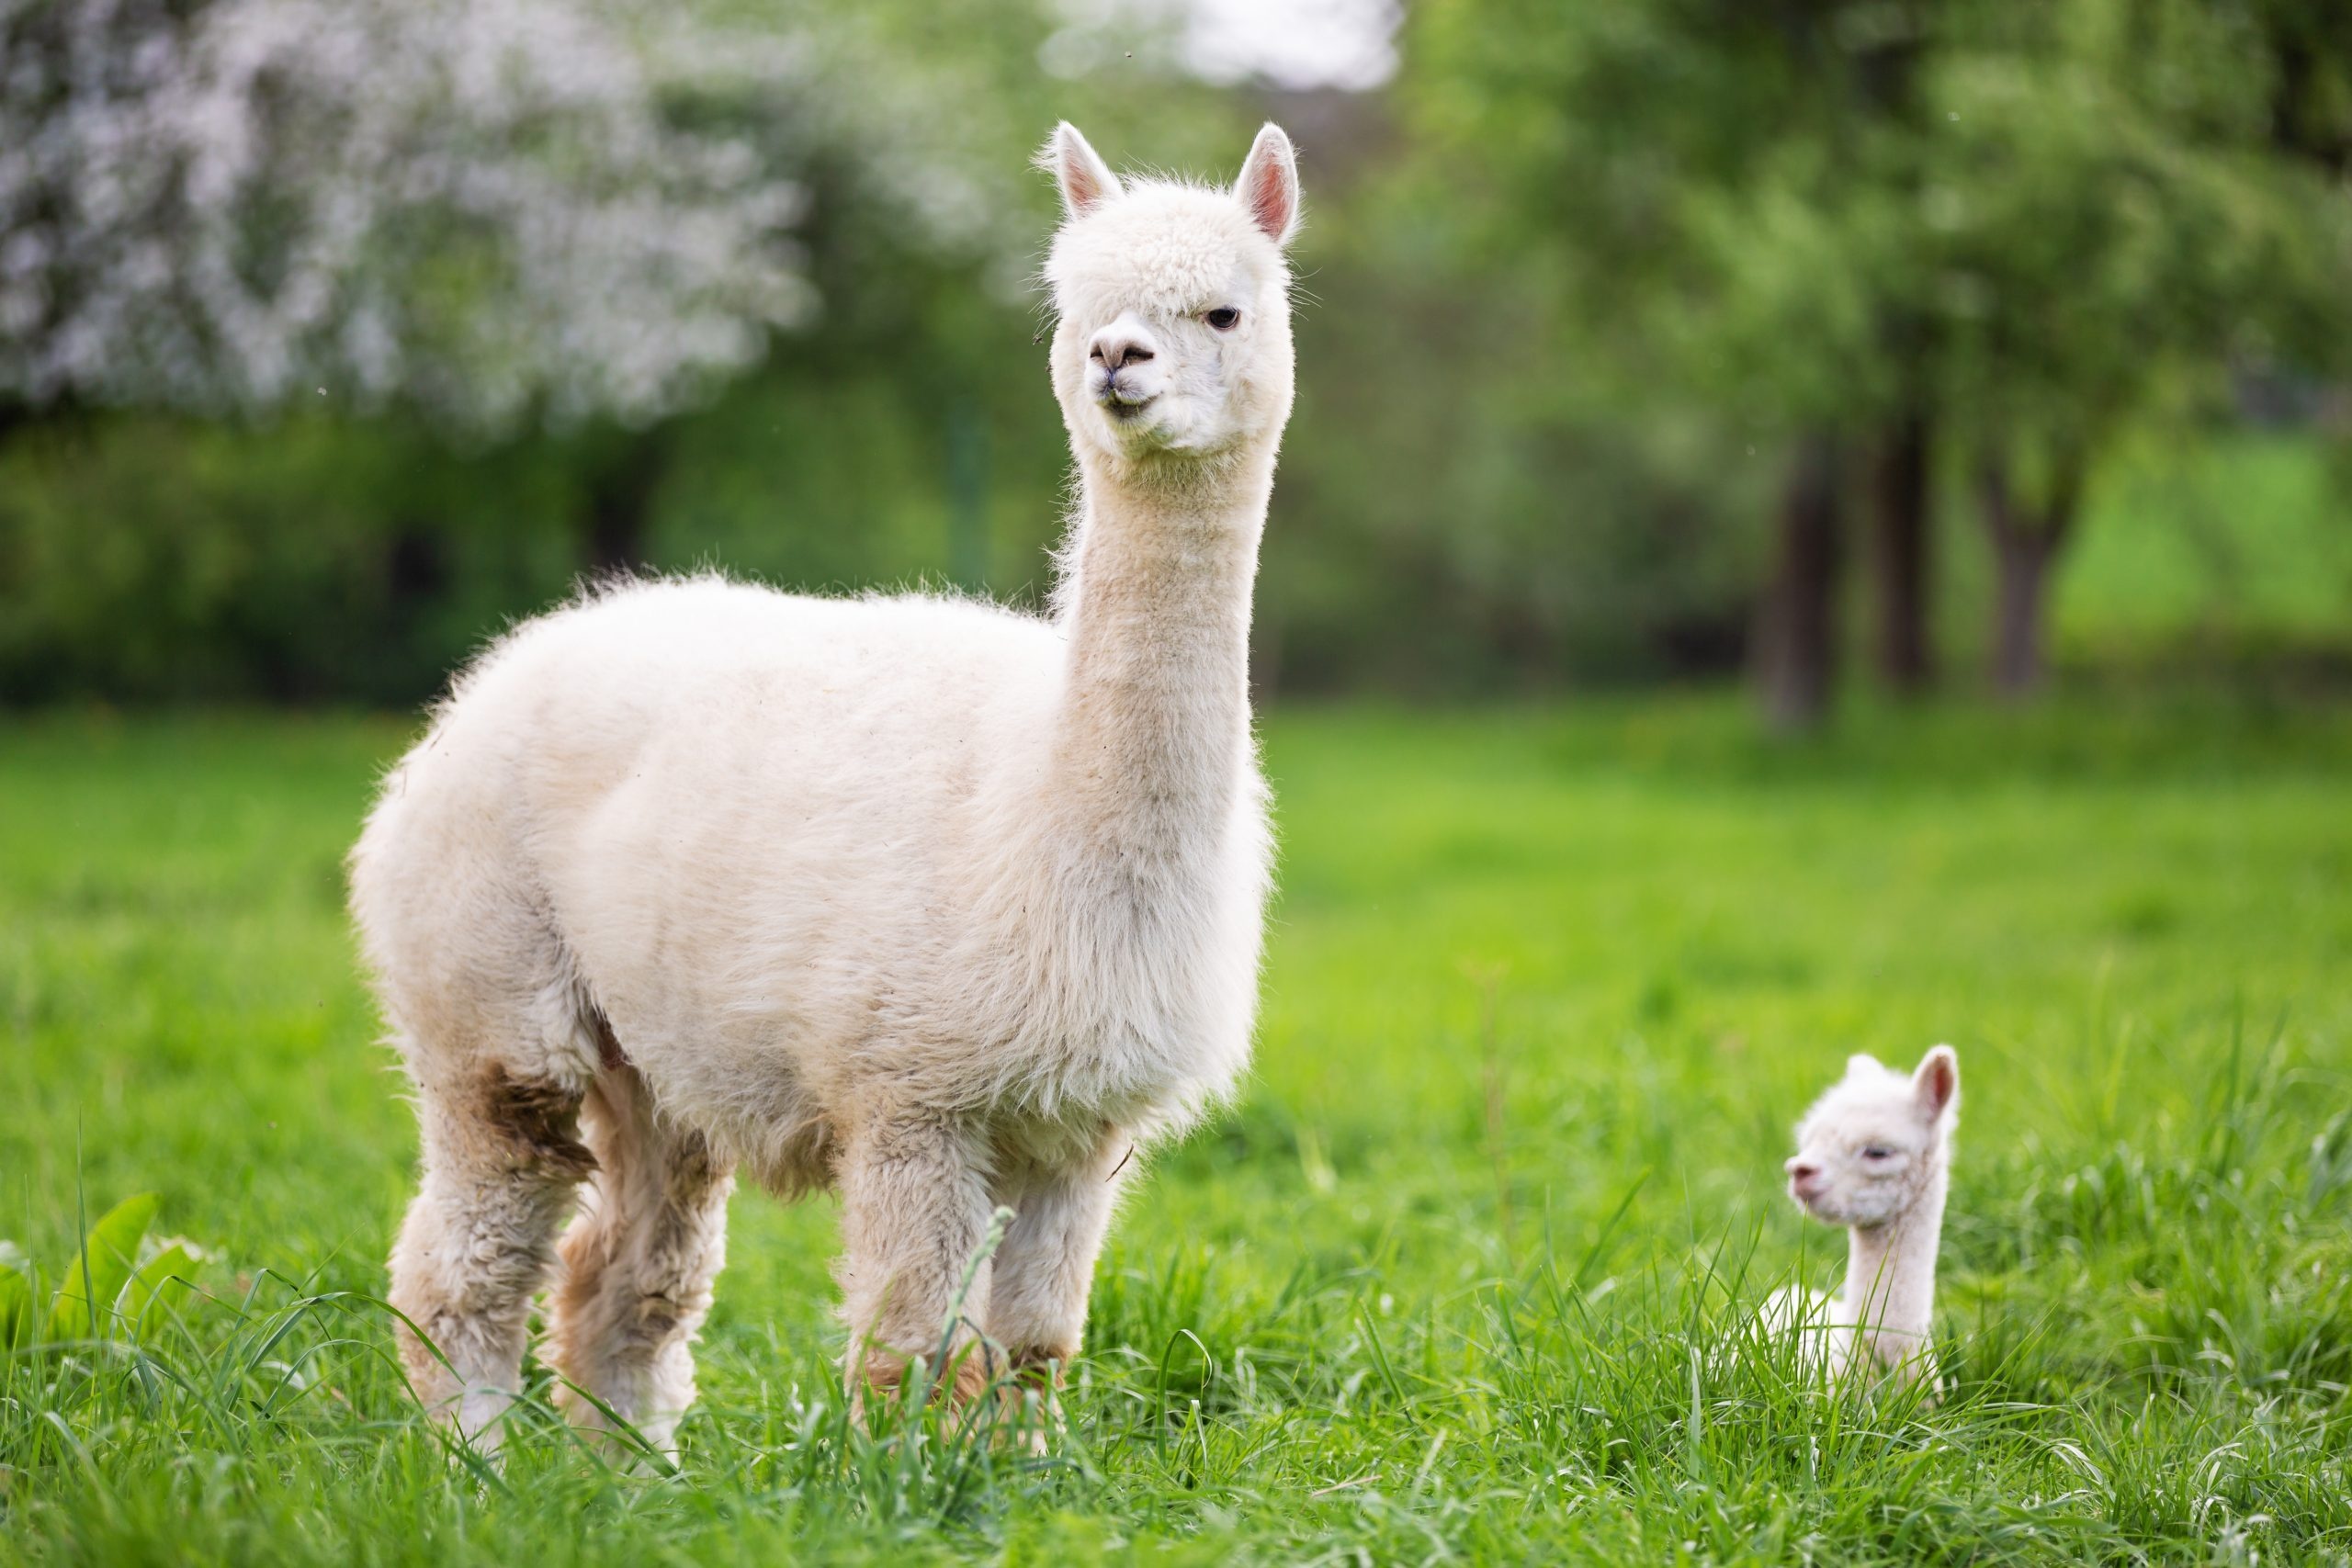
(483,210)
(1859,225)
(2126,200)
(1796,630)
(1702,184)
(1448,523)
(487,213)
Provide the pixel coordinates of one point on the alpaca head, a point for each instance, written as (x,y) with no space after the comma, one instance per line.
(1869,1148)
(1173,300)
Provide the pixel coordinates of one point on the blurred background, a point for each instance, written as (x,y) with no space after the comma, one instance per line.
(1810,527)
(1835,346)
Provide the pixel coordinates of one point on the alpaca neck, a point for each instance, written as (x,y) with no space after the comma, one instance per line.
(1155,606)
(1891,1275)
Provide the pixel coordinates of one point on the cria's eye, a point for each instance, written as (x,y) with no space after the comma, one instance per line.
(1878,1151)
(1224,318)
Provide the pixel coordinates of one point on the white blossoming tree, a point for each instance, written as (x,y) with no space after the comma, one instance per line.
(489,213)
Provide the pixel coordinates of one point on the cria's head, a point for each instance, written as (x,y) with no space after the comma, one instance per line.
(1867,1148)
(1174,333)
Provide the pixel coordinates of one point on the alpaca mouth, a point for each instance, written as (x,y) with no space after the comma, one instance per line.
(1122,409)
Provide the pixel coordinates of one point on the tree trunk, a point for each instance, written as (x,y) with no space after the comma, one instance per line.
(1796,633)
(1900,499)
(2021,564)
(620,500)
(2026,539)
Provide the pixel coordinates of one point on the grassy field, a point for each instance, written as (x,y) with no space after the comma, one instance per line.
(2196,547)
(1464,1276)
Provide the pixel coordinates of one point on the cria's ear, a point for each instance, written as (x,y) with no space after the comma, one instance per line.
(1269,185)
(1862,1061)
(1937,1083)
(1085,179)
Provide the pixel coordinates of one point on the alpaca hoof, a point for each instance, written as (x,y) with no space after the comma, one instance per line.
(884,1378)
(1029,1403)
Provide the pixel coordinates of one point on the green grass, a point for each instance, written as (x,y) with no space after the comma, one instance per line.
(2246,540)
(1358,1319)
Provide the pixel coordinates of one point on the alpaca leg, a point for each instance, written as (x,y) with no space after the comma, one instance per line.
(502,1161)
(914,1214)
(1045,1271)
(637,1265)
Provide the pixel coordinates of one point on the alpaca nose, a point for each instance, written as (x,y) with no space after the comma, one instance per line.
(1119,345)
(1802,1172)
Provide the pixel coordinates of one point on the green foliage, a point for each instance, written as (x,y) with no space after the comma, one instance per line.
(101,1271)
(1441,524)
(150,559)
(1565,290)
(2106,210)
(1809,213)
(119,1285)
(1316,1333)
(2004,235)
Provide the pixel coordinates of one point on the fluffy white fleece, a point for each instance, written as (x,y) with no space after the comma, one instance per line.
(939,903)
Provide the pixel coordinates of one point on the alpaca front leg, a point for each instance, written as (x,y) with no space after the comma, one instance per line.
(914,1216)
(1045,1270)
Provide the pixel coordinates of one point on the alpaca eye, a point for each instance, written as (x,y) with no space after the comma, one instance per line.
(1878,1151)
(1224,318)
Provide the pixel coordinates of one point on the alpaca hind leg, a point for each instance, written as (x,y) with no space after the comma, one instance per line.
(915,1215)
(502,1162)
(637,1266)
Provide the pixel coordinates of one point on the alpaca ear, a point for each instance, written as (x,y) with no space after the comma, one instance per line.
(1085,179)
(1937,1083)
(1269,185)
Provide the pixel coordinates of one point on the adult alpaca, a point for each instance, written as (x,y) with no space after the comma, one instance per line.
(947,906)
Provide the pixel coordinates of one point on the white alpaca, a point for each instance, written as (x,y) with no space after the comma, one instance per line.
(1874,1155)
(943,904)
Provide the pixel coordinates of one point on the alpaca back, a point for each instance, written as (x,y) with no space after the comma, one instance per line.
(785,843)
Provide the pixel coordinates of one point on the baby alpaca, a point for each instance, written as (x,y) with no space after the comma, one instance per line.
(1874,1155)
(943,904)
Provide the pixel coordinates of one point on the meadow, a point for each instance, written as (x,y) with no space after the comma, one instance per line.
(1465,1275)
